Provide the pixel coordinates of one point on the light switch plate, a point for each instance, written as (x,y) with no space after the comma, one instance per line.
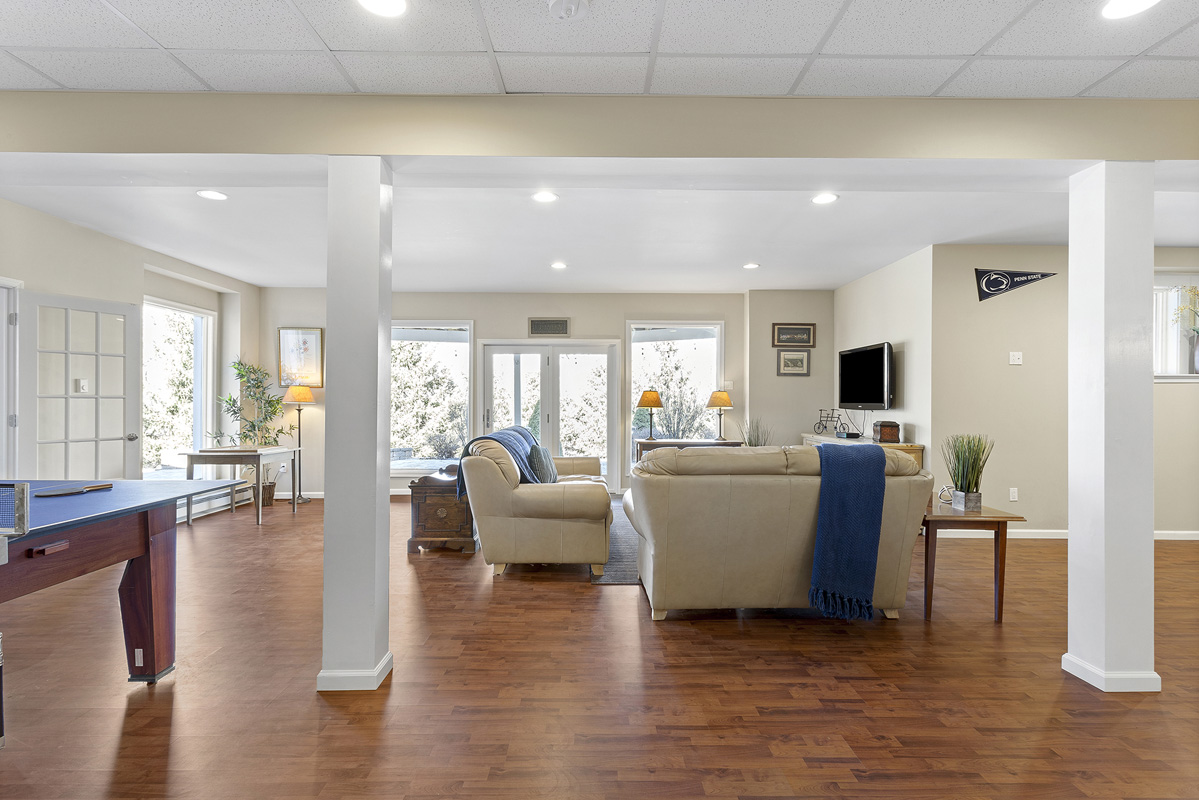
(1013,494)
(1015,357)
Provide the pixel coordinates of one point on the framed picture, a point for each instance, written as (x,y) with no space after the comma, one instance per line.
(302,357)
(793,334)
(795,362)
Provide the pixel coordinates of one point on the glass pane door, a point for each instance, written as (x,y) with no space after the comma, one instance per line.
(582,427)
(514,387)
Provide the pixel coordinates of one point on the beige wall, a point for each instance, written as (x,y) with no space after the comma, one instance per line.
(789,405)
(207,122)
(894,304)
(173,290)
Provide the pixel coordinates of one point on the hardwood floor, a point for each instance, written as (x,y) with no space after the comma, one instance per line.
(538,684)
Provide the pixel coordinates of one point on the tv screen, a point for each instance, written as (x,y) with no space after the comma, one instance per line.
(866,377)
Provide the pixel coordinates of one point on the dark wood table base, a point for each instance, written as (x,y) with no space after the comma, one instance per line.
(940,516)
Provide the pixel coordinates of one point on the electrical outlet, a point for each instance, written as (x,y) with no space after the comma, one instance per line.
(1015,357)
(1013,494)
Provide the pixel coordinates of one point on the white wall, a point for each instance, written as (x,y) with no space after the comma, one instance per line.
(894,304)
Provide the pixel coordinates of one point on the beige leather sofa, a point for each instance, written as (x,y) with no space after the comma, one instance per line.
(723,527)
(537,523)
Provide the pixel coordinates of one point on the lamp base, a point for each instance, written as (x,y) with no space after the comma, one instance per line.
(301,500)
(720,439)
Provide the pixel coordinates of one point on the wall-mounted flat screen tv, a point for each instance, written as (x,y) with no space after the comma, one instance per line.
(867,377)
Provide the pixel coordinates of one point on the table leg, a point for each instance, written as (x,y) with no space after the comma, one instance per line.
(258,491)
(295,494)
(147,597)
(191,471)
(1000,564)
(930,564)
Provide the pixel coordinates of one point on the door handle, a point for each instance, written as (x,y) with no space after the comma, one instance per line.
(132,437)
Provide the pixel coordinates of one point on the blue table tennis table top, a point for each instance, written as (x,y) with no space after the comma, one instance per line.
(50,514)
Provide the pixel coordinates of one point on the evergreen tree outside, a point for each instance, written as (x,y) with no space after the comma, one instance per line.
(684,372)
(429,398)
(168,391)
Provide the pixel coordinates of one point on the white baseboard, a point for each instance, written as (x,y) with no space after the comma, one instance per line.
(311,495)
(354,680)
(1033,533)
(1112,681)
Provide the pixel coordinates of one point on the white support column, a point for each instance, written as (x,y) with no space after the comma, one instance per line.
(357,382)
(1110,608)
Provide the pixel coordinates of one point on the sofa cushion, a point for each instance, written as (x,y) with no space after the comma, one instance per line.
(543,464)
(789,460)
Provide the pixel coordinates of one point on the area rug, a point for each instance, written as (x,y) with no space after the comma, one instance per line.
(621,569)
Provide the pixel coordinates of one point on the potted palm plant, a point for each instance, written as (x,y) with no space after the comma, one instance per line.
(965,456)
(255,413)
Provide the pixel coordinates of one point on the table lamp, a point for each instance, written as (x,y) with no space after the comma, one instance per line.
(650,400)
(720,401)
(301,396)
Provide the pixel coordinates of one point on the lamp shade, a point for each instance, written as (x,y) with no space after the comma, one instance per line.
(649,399)
(298,394)
(720,400)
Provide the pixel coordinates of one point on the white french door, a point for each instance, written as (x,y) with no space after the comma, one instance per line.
(79,413)
(564,394)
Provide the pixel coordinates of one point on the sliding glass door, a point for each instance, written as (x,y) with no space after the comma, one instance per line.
(561,393)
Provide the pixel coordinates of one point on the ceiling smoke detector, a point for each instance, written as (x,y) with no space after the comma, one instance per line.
(569,9)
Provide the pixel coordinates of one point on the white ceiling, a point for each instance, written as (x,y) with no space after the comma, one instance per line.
(621,225)
(975,48)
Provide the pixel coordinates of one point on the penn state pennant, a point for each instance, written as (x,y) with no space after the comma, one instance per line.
(994,282)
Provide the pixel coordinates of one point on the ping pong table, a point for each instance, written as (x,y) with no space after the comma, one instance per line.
(72,535)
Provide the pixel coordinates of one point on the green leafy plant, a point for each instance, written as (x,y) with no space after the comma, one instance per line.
(965,456)
(254,412)
(755,432)
(1188,307)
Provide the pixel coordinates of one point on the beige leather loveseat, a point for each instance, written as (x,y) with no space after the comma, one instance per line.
(723,527)
(537,523)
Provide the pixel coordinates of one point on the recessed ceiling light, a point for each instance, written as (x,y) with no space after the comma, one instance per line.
(559,265)
(1119,9)
(212,194)
(385,8)
(824,198)
(545,197)
(750,266)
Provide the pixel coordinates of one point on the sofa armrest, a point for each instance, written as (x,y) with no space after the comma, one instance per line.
(577,465)
(561,501)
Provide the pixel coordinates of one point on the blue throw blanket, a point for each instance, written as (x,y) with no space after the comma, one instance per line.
(848,527)
(517,441)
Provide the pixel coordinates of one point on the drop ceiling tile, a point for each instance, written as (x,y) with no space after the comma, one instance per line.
(428,25)
(221,24)
(1028,78)
(64,23)
(1184,44)
(1149,78)
(401,73)
(877,77)
(1072,28)
(574,74)
(930,28)
(611,26)
(724,76)
(766,26)
(267,72)
(15,75)
(113,70)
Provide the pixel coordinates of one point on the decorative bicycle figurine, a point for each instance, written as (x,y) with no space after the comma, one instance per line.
(830,419)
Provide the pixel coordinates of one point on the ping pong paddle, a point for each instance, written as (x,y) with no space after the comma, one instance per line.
(73,490)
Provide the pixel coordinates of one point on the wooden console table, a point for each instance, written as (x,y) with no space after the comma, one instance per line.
(940,515)
(243,457)
(916,451)
(645,445)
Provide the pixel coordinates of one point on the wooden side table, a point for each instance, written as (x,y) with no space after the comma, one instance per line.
(439,518)
(942,515)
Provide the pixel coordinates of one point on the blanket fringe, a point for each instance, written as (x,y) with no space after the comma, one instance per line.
(837,605)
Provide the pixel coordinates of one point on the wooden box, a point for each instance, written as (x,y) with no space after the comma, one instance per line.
(439,518)
(886,432)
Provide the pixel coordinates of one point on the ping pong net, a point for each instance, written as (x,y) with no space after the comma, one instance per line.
(14,509)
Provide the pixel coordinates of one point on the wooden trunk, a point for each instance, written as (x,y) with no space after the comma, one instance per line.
(439,518)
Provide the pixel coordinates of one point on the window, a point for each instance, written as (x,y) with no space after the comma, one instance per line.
(430,395)
(682,362)
(175,381)
(1175,320)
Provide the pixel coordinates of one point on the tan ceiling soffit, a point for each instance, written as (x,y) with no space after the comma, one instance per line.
(118,122)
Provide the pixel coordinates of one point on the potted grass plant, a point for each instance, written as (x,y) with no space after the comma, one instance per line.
(755,432)
(965,456)
(255,413)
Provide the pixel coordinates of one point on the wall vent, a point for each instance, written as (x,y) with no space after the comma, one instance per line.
(549,326)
